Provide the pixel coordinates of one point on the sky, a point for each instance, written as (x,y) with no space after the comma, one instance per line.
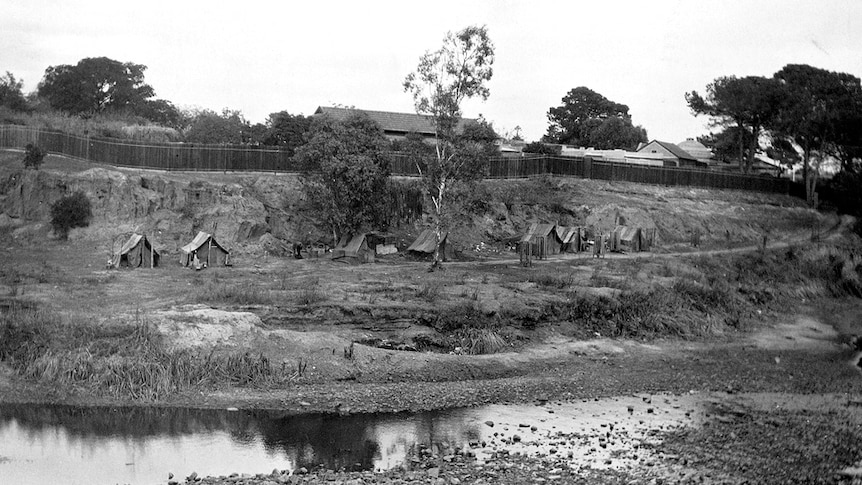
(265,57)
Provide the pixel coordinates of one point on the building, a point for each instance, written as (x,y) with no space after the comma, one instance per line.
(696,149)
(396,126)
(672,155)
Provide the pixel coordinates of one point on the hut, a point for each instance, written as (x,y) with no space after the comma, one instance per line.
(207,249)
(541,240)
(136,252)
(425,244)
(353,248)
(574,239)
(633,239)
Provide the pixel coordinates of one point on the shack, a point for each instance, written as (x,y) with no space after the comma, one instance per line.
(354,249)
(207,249)
(425,244)
(573,238)
(633,239)
(541,240)
(136,252)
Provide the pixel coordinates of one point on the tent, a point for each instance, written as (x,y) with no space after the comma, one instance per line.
(574,239)
(208,250)
(135,253)
(542,240)
(632,239)
(426,243)
(355,248)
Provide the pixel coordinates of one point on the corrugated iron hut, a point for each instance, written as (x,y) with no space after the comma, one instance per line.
(574,238)
(136,252)
(354,249)
(541,240)
(207,249)
(633,239)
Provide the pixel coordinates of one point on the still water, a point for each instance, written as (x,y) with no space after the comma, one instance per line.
(72,445)
(61,444)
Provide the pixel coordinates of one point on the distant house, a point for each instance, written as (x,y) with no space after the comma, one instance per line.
(672,155)
(396,126)
(696,149)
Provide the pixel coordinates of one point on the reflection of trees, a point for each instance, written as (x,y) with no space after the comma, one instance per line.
(350,442)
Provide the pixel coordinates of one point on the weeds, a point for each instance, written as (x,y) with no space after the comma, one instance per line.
(118,360)
(429,292)
(245,293)
(310,294)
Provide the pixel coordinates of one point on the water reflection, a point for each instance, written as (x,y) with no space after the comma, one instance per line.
(141,445)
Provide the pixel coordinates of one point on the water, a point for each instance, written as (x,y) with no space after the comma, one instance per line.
(71,445)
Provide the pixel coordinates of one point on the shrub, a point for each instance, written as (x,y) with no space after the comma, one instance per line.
(70,212)
(33,156)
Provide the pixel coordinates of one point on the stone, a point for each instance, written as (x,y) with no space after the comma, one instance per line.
(489,424)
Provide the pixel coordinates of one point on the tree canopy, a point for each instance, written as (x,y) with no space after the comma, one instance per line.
(96,84)
(208,126)
(70,212)
(11,95)
(586,118)
(444,78)
(286,130)
(348,173)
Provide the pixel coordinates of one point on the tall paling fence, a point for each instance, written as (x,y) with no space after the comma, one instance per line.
(199,157)
(160,156)
(585,167)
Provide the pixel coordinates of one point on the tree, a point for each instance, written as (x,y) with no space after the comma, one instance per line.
(348,173)
(820,112)
(33,156)
(750,104)
(445,78)
(542,148)
(207,126)
(162,112)
(482,133)
(286,130)
(11,95)
(585,111)
(95,85)
(70,212)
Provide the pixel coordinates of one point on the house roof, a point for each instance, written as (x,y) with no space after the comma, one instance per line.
(696,149)
(673,149)
(390,122)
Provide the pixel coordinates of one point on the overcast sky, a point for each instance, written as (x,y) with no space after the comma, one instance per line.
(263,57)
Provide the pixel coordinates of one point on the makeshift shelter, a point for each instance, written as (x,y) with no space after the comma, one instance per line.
(633,239)
(427,241)
(207,249)
(354,249)
(136,252)
(574,239)
(541,240)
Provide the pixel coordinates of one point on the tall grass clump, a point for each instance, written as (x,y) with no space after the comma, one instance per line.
(120,360)
(468,330)
(243,293)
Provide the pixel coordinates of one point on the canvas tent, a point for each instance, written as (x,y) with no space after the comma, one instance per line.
(632,239)
(573,239)
(427,241)
(354,248)
(208,251)
(542,240)
(136,252)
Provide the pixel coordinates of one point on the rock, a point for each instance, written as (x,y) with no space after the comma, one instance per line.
(433,472)
(193,477)
(489,424)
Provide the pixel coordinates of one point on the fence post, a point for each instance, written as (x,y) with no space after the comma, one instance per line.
(588,167)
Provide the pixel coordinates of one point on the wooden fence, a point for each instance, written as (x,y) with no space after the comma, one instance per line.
(239,158)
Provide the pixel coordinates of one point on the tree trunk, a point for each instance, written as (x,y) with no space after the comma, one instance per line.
(742,167)
(752,148)
(807,176)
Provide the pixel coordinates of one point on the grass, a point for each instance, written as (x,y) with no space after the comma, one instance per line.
(115,359)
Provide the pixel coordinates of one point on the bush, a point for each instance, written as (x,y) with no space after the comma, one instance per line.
(70,212)
(33,156)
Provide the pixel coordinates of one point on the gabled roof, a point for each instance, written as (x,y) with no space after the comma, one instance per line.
(541,230)
(131,243)
(673,149)
(390,122)
(567,234)
(199,240)
(427,241)
(696,149)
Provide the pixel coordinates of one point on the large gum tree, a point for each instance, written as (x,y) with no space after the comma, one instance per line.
(443,80)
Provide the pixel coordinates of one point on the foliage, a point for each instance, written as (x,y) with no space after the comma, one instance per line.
(162,112)
(70,212)
(482,133)
(207,126)
(747,105)
(541,148)
(444,78)
(586,118)
(348,173)
(286,130)
(822,115)
(95,85)
(33,156)
(11,95)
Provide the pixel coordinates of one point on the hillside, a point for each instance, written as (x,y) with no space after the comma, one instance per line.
(264,212)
